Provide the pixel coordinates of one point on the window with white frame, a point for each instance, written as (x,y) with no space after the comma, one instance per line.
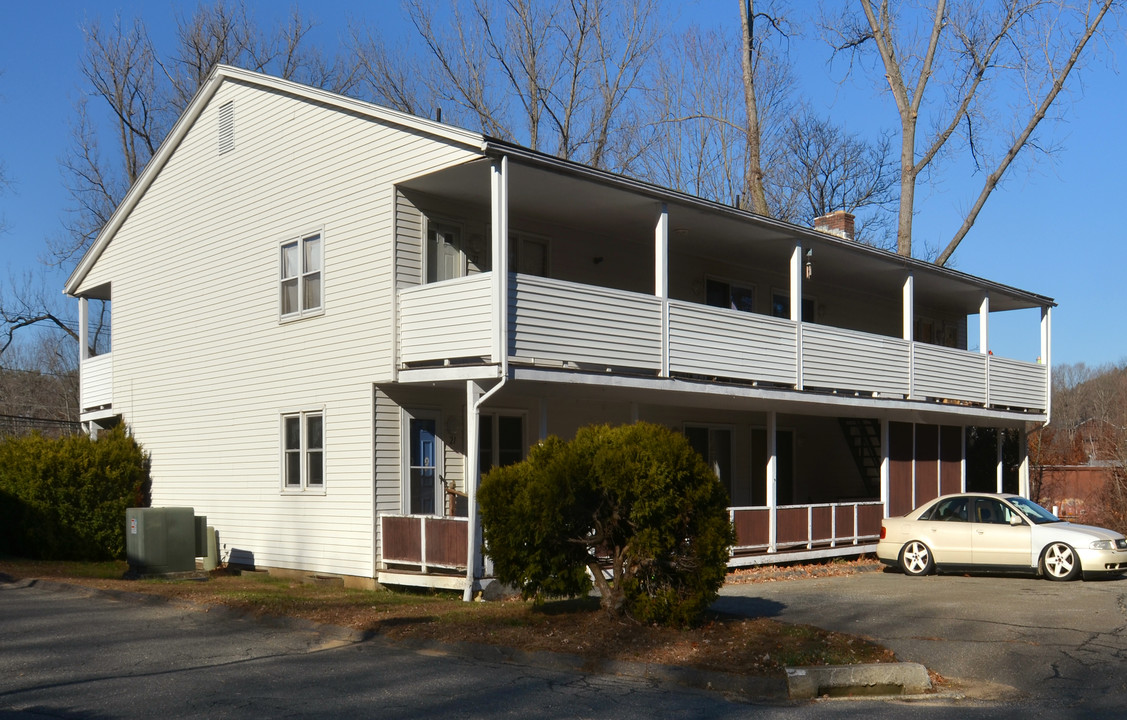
(734,296)
(500,440)
(303,451)
(301,276)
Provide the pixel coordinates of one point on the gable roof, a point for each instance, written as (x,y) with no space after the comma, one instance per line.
(950,279)
(227,73)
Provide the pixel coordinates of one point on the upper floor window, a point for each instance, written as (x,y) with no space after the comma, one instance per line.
(303,450)
(301,277)
(780,306)
(720,293)
(528,254)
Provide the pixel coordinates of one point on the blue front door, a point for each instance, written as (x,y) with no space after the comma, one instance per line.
(424,457)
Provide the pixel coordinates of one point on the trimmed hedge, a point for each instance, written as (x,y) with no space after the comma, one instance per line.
(65,498)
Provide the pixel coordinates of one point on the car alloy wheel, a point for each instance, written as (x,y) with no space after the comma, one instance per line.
(1060,562)
(915,559)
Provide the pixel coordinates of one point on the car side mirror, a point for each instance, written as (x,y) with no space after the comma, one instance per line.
(1015,520)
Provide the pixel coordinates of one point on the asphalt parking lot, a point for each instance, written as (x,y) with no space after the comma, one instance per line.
(995,637)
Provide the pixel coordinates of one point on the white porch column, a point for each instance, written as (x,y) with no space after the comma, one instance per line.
(963,464)
(1046,358)
(909,328)
(885,464)
(999,439)
(1023,487)
(796,307)
(772,482)
(499,189)
(661,282)
(83,330)
(473,479)
(984,338)
(984,325)
(542,431)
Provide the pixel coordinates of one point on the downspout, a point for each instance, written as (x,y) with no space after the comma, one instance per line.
(474,404)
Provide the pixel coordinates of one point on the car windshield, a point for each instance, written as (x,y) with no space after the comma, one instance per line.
(1033,511)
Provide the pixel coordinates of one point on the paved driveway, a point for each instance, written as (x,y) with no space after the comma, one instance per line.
(1061,642)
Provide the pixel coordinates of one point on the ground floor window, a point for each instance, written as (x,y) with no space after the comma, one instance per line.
(714,443)
(303,451)
(500,440)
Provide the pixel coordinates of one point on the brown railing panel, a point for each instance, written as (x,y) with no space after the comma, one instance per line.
(821,524)
(402,539)
(752,527)
(792,526)
(843,517)
(446,542)
(868,520)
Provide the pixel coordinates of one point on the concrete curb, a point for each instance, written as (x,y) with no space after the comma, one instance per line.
(857,680)
(887,679)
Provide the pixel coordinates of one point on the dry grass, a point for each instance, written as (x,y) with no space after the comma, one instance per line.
(751,646)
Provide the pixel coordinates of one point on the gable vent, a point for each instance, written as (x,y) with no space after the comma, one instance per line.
(226,127)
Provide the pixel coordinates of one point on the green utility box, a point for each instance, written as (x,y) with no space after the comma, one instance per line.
(160,540)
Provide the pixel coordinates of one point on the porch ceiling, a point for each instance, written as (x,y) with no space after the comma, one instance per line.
(568,386)
(567,195)
(664,392)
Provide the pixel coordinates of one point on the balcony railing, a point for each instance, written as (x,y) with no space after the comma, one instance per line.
(96,382)
(429,542)
(807,526)
(557,323)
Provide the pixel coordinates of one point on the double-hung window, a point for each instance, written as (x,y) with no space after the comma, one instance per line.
(301,276)
(303,451)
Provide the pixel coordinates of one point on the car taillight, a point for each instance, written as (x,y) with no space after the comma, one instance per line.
(883,531)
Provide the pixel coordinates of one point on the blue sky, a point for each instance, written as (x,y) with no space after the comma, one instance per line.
(1052,228)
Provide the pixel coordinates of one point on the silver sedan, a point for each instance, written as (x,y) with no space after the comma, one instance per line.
(987,531)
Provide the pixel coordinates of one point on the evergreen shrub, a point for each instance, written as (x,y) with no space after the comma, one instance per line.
(65,498)
(636,500)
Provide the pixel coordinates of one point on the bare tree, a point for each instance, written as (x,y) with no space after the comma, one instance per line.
(824,168)
(970,51)
(40,379)
(556,76)
(133,97)
(751,57)
(695,135)
(226,33)
(713,131)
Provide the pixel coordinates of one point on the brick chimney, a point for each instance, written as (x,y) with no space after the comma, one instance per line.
(838,223)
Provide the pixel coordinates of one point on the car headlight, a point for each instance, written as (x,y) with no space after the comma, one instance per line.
(1103,544)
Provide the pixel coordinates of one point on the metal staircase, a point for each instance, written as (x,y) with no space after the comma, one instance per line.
(862,435)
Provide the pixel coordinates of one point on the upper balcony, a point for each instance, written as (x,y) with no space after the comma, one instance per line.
(561,324)
(527,260)
(96,382)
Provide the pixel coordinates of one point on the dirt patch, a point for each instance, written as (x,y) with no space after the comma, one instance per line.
(749,646)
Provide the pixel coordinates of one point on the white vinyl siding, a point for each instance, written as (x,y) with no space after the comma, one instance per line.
(1016,384)
(848,360)
(730,343)
(561,322)
(450,319)
(203,384)
(409,242)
